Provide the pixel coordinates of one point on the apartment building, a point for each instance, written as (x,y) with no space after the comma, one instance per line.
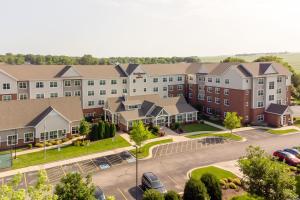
(246,88)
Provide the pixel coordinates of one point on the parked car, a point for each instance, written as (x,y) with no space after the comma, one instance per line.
(99,194)
(294,152)
(151,181)
(289,158)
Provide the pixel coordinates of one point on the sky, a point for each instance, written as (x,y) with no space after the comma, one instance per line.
(106,28)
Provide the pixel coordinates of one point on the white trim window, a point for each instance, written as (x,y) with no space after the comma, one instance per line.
(209,89)
(170,87)
(226,91)
(91,103)
(260,81)
(6,86)
(53,95)
(165,88)
(28,137)
(124,81)
(170,79)
(91,83)
(226,102)
(77,93)
(278,101)
(113,82)
(74,130)
(77,82)
(209,80)
(22,85)
(155,89)
(6,97)
(226,81)
(218,80)
(271,97)
(101,102)
(53,84)
(102,92)
(124,90)
(39,84)
(209,99)
(260,104)
(217,100)
(165,79)
(217,90)
(113,91)
(201,97)
(68,93)
(179,78)
(260,92)
(279,91)
(209,110)
(67,83)
(12,140)
(179,87)
(23,96)
(102,82)
(155,80)
(260,118)
(271,85)
(40,96)
(279,79)
(91,93)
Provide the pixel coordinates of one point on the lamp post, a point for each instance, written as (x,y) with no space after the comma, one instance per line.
(136,171)
(15,143)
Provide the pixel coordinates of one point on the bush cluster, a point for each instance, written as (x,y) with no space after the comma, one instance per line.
(102,130)
(230,183)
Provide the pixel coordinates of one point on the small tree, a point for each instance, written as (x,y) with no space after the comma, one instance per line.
(195,189)
(172,195)
(107,130)
(11,191)
(139,133)
(112,130)
(212,185)
(152,195)
(232,121)
(101,130)
(84,128)
(94,133)
(72,186)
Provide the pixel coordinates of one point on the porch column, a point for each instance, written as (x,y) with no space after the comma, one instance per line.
(168,120)
(281,120)
(196,116)
(186,117)
(292,118)
(126,125)
(155,121)
(104,115)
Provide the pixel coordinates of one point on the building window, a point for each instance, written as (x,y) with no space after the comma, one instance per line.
(246,118)
(28,137)
(246,103)
(170,87)
(209,99)
(155,89)
(68,93)
(124,90)
(101,102)
(201,87)
(77,83)
(247,92)
(113,82)
(260,104)
(62,133)
(179,87)
(226,91)
(217,90)
(180,95)
(91,93)
(155,80)
(77,93)
(202,78)
(279,91)
(39,84)
(6,97)
(102,82)
(91,103)
(260,118)
(90,83)
(179,78)
(124,81)
(6,86)
(40,96)
(190,95)
(208,110)
(226,102)
(279,101)
(190,117)
(217,100)
(134,90)
(209,89)
(53,134)
(102,92)
(133,80)
(165,79)
(114,91)
(22,85)
(260,92)
(201,96)
(75,130)
(44,136)
(53,95)
(53,84)
(271,85)
(145,80)
(12,140)
(217,80)
(209,80)
(226,81)
(23,96)
(170,79)
(279,79)
(145,89)
(271,97)
(67,83)
(224,114)
(260,81)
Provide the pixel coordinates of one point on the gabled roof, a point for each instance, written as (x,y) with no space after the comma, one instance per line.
(277,109)
(68,71)
(25,113)
(156,111)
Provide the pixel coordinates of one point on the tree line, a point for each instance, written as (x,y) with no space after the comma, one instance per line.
(19,59)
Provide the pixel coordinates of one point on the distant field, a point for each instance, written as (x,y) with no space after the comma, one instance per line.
(292,58)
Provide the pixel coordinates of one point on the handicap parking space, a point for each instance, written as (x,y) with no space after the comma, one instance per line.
(114,159)
(55,174)
(87,167)
(102,163)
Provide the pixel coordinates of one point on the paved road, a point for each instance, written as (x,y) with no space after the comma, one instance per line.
(172,168)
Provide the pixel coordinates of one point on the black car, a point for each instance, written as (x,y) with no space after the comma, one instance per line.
(151,181)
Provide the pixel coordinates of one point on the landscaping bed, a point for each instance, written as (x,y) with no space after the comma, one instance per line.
(282,132)
(228,135)
(68,152)
(188,128)
(144,150)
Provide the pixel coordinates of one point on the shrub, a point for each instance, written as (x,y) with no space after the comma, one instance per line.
(107,130)
(195,189)
(155,130)
(232,186)
(172,195)
(225,180)
(229,179)
(29,146)
(237,182)
(65,139)
(112,130)
(76,143)
(246,197)
(176,126)
(48,144)
(222,182)
(59,141)
(39,145)
(212,185)
(152,195)
(101,130)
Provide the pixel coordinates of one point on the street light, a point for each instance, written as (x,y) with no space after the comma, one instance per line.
(136,171)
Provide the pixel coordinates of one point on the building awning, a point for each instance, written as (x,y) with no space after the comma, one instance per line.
(278,109)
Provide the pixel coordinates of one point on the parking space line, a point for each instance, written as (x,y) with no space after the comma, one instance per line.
(95,164)
(167,149)
(155,153)
(177,147)
(25,180)
(123,195)
(63,169)
(80,169)
(181,149)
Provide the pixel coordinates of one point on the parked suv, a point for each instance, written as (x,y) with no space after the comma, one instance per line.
(151,181)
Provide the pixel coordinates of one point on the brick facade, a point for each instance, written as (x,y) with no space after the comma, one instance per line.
(173,90)
(93,111)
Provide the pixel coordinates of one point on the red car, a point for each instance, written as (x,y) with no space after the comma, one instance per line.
(287,157)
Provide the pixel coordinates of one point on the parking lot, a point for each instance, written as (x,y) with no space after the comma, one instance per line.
(84,167)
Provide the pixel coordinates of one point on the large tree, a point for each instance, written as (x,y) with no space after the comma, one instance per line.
(266,177)
(233,60)
(84,128)
(195,189)
(72,186)
(232,121)
(212,185)
(139,133)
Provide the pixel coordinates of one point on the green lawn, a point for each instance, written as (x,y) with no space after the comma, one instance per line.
(281,132)
(68,152)
(144,150)
(297,122)
(219,173)
(152,136)
(222,135)
(198,127)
